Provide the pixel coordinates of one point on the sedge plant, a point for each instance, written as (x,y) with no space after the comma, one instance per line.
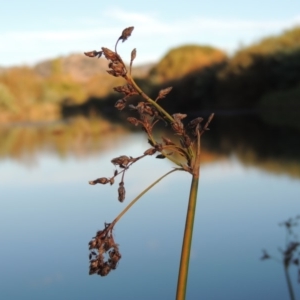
(183,152)
(290,255)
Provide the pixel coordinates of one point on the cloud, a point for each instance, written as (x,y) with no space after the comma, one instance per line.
(154,34)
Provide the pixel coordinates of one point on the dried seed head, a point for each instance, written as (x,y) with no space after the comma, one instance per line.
(127,89)
(120,104)
(101,180)
(92,244)
(179,116)
(117,69)
(178,127)
(113,73)
(133,55)
(164,92)
(126,33)
(133,121)
(121,192)
(121,161)
(103,243)
(195,122)
(150,151)
(104,270)
(186,141)
(159,147)
(93,53)
(167,141)
(111,181)
(110,55)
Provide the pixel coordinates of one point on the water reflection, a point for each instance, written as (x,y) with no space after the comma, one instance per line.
(290,255)
(49,213)
(78,137)
(274,149)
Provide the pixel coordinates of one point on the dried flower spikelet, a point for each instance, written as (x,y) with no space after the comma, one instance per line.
(179,116)
(110,55)
(93,53)
(133,121)
(186,141)
(101,180)
(162,93)
(121,192)
(178,127)
(117,69)
(195,122)
(111,181)
(103,243)
(150,151)
(121,161)
(127,89)
(126,33)
(120,104)
(159,147)
(133,55)
(149,110)
(167,141)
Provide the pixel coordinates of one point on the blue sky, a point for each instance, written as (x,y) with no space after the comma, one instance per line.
(31,31)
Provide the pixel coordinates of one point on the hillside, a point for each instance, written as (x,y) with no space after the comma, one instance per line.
(260,77)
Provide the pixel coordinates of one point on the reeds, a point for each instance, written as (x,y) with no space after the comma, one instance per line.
(290,254)
(184,153)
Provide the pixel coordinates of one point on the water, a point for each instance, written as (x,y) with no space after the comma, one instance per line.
(49,213)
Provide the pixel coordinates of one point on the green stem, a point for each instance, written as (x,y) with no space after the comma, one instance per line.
(188,231)
(289,283)
(157,106)
(140,195)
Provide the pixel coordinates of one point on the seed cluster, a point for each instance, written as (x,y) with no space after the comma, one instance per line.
(147,113)
(104,255)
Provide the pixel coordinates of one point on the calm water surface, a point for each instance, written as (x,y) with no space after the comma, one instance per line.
(49,213)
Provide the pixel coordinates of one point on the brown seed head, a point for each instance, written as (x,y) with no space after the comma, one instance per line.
(133,55)
(195,122)
(118,68)
(150,151)
(120,104)
(121,161)
(110,54)
(167,141)
(93,53)
(179,116)
(133,121)
(126,33)
(101,180)
(164,92)
(121,192)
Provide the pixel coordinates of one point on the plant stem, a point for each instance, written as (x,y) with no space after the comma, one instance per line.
(188,231)
(140,195)
(289,283)
(157,106)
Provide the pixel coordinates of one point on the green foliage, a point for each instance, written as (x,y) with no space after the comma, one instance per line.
(7,99)
(56,90)
(282,108)
(284,44)
(269,66)
(186,59)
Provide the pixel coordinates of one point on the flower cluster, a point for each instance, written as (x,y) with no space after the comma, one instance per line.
(147,113)
(104,255)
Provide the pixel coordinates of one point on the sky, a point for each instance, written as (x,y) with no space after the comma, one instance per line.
(32,31)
